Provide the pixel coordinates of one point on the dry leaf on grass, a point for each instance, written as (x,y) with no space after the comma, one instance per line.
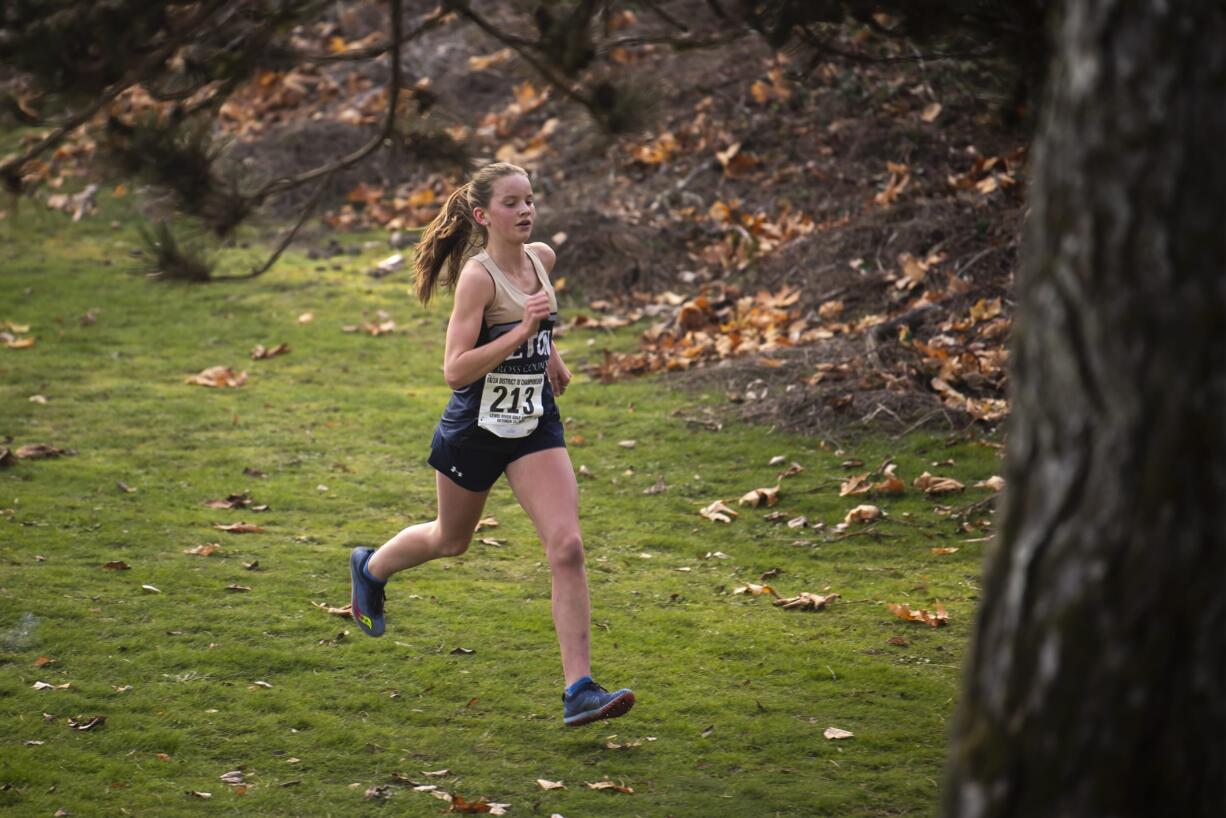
(41,451)
(942,550)
(116,565)
(834,733)
(83,723)
(218,376)
(607,785)
(378,792)
(259,352)
(790,471)
(933,484)
(755,590)
(343,611)
(806,602)
(855,484)
(486,522)
(862,514)
(239,528)
(760,497)
(545,784)
(935,618)
(718,512)
(657,488)
(995,483)
(204,550)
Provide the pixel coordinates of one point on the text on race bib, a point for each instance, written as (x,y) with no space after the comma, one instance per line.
(511,404)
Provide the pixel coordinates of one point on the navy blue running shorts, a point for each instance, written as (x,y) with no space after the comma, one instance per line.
(476,468)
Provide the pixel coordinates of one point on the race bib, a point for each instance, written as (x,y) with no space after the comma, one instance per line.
(511,404)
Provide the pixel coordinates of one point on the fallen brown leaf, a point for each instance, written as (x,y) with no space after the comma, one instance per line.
(755,590)
(805,602)
(378,792)
(995,483)
(116,565)
(607,785)
(855,484)
(718,512)
(239,528)
(203,550)
(259,352)
(862,514)
(83,723)
(218,376)
(759,497)
(934,618)
(458,804)
(834,733)
(41,451)
(932,484)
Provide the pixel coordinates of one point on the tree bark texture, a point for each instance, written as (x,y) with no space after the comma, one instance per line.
(1097,680)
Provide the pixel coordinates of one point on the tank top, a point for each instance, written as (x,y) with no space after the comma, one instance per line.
(507,404)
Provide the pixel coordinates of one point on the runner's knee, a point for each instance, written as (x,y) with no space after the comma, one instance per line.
(565,551)
(452,545)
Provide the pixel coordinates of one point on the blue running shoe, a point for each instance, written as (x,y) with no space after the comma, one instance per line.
(366,599)
(590,702)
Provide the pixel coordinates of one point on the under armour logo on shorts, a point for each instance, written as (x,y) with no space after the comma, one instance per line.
(458,473)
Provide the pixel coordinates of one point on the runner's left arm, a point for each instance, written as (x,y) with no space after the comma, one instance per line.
(559,375)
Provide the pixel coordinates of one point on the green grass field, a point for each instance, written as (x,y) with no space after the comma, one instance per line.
(733,694)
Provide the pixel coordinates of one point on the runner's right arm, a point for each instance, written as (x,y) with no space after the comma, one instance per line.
(463,361)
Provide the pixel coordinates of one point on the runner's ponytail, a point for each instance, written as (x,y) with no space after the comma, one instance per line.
(447,239)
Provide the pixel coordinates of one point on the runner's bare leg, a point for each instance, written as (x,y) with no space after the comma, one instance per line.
(448,535)
(544,484)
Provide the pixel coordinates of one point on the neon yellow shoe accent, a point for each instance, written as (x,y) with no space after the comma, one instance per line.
(365,620)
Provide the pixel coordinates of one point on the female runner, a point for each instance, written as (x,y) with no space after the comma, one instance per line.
(504,369)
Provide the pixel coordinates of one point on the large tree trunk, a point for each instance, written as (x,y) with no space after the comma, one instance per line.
(1097,680)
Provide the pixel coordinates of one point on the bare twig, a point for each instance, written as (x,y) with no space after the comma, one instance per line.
(429,22)
(393,91)
(521,47)
(289,237)
(665,16)
(824,47)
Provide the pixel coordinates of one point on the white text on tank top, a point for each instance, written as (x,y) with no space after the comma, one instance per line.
(512,399)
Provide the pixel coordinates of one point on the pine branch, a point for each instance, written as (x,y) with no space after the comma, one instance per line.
(10,170)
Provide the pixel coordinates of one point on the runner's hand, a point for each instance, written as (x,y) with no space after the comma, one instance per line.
(559,376)
(536,309)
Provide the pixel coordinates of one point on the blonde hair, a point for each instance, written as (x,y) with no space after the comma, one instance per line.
(448,238)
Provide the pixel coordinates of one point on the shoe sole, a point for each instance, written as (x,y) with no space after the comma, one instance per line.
(618,707)
(354,563)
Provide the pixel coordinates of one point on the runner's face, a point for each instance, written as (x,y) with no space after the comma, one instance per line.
(511,211)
